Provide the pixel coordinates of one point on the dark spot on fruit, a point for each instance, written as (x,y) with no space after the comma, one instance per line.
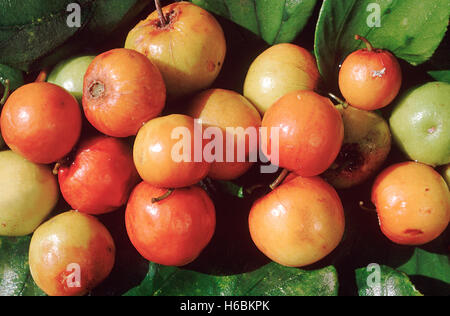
(3,225)
(350,158)
(427,190)
(211,66)
(413,232)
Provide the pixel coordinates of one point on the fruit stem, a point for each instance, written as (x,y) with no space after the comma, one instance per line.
(280,179)
(253,188)
(365,208)
(163,197)
(339,100)
(162,18)
(6,84)
(42,77)
(55,170)
(368,44)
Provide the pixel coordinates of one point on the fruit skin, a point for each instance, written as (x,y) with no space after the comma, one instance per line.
(172,232)
(28,194)
(153,153)
(311,132)
(299,223)
(69,74)
(101,177)
(279,70)
(189,51)
(227,109)
(446,174)
(413,203)
(367,143)
(67,239)
(420,123)
(41,122)
(370,80)
(133,92)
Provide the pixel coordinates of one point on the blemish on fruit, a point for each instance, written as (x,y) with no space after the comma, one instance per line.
(413,232)
(211,66)
(432,130)
(350,158)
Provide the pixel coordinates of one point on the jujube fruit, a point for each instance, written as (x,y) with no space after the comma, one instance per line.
(311,132)
(370,78)
(299,223)
(42,122)
(189,48)
(279,70)
(101,176)
(28,194)
(122,91)
(367,143)
(174,231)
(420,123)
(227,109)
(163,160)
(413,203)
(69,244)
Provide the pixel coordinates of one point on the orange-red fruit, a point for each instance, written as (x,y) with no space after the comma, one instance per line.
(226,109)
(101,177)
(174,231)
(71,254)
(167,155)
(122,91)
(42,122)
(311,132)
(299,223)
(370,79)
(413,203)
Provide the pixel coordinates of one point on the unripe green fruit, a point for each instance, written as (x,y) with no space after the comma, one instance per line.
(420,123)
(28,193)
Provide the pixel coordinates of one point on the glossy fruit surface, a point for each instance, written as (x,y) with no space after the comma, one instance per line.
(165,152)
(370,79)
(367,143)
(42,122)
(299,223)
(28,194)
(71,247)
(311,132)
(172,232)
(190,50)
(69,74)
(279,70)
(228,110)
(420,123)
(413,203)
(101,176)
(122,91)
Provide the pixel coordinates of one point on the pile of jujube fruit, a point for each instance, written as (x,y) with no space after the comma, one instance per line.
(169,218)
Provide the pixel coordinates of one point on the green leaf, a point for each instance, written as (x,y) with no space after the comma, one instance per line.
(31,32)
(390,282)
(274,21)
(411,29)
(270,280)
(14,76)
(15,277)
(430,271)
(440,75)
